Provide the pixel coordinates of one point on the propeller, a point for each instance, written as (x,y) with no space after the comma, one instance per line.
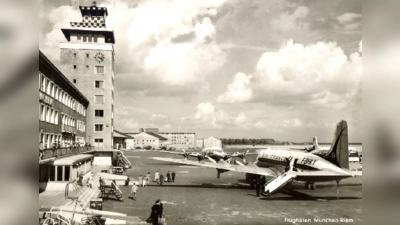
(209,158)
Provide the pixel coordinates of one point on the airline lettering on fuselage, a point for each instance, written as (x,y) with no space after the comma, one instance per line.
(276,157)
(308,161)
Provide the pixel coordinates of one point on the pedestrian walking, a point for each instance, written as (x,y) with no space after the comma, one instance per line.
(168,177)
(90,181)
(133,191)
(140,180)
(148,177)
(161,178)
(156,212)
(173,176)
(157,177)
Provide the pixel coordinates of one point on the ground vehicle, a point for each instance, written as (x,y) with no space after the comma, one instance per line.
(118,170)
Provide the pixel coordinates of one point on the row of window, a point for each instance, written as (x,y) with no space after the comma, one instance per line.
(67,120)
(48,114)
(97,69)
(50,88)
(146,140)
(88,38)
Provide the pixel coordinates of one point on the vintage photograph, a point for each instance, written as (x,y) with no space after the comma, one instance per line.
(200,112)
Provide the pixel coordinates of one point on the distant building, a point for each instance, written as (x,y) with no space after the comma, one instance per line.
(180,140)
(87,59)
(126,141)
(199,143)
(212,142)
(145,139)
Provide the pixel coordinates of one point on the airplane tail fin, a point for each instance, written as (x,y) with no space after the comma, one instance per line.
(315,143)
(339,152)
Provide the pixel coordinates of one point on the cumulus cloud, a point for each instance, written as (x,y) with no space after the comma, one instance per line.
(318,74)
(348,17)
(208,116)
(239,90)
(293,123)
(146,41)
(158,116)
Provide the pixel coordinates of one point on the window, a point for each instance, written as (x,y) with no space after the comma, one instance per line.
(95,38)
(98,140)
(87,55)
(87,66)
(99,84)
(99,69)
(74,81)
(66,173)
(74,66)
(43,113)
(99,113)
(98,127)
(99,99)
(78,39)
(43,87)
(48,114)
(84,38)
(56,118)
(60,173)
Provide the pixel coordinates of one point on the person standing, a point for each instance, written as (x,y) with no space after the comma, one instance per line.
(41,150)
(161,178)
(157,177)
(140,180)
(168,177)
(173,177)
(134,190)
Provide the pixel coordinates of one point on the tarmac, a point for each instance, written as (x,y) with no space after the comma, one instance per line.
(198,197)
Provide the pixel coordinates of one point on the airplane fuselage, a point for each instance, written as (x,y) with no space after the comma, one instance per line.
(302,162)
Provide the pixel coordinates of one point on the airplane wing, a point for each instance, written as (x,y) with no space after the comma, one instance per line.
(222,166)
(175,153)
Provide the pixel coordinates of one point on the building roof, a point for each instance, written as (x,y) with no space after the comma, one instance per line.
(44,61)
(177,133)
(109,33)
(121,135)
(157,136)
(67,161)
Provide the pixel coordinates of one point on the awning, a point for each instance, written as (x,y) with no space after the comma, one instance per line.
(68,161)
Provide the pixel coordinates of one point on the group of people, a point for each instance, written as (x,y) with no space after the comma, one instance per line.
(160,178)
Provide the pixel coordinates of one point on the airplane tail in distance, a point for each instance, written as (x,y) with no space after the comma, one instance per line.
(315,143)
(339,152)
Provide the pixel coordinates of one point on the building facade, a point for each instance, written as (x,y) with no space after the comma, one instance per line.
(212,142)
(62,108)
(145,139)
(87,59)
(180,140)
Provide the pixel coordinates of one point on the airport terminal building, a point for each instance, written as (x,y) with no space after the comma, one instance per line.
(62,108)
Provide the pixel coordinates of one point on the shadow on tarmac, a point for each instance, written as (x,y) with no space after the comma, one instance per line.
(295,195)
(204,185)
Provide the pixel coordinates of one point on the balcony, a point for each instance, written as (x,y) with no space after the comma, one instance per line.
(62,152)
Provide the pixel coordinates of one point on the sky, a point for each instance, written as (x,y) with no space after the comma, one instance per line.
(282,69)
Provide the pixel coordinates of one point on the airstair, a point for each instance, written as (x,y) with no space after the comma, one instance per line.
(124,161)
(279,181)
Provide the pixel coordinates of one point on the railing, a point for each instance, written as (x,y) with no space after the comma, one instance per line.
(58,152)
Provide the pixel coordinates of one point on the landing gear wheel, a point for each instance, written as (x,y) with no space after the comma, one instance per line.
(313,186)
